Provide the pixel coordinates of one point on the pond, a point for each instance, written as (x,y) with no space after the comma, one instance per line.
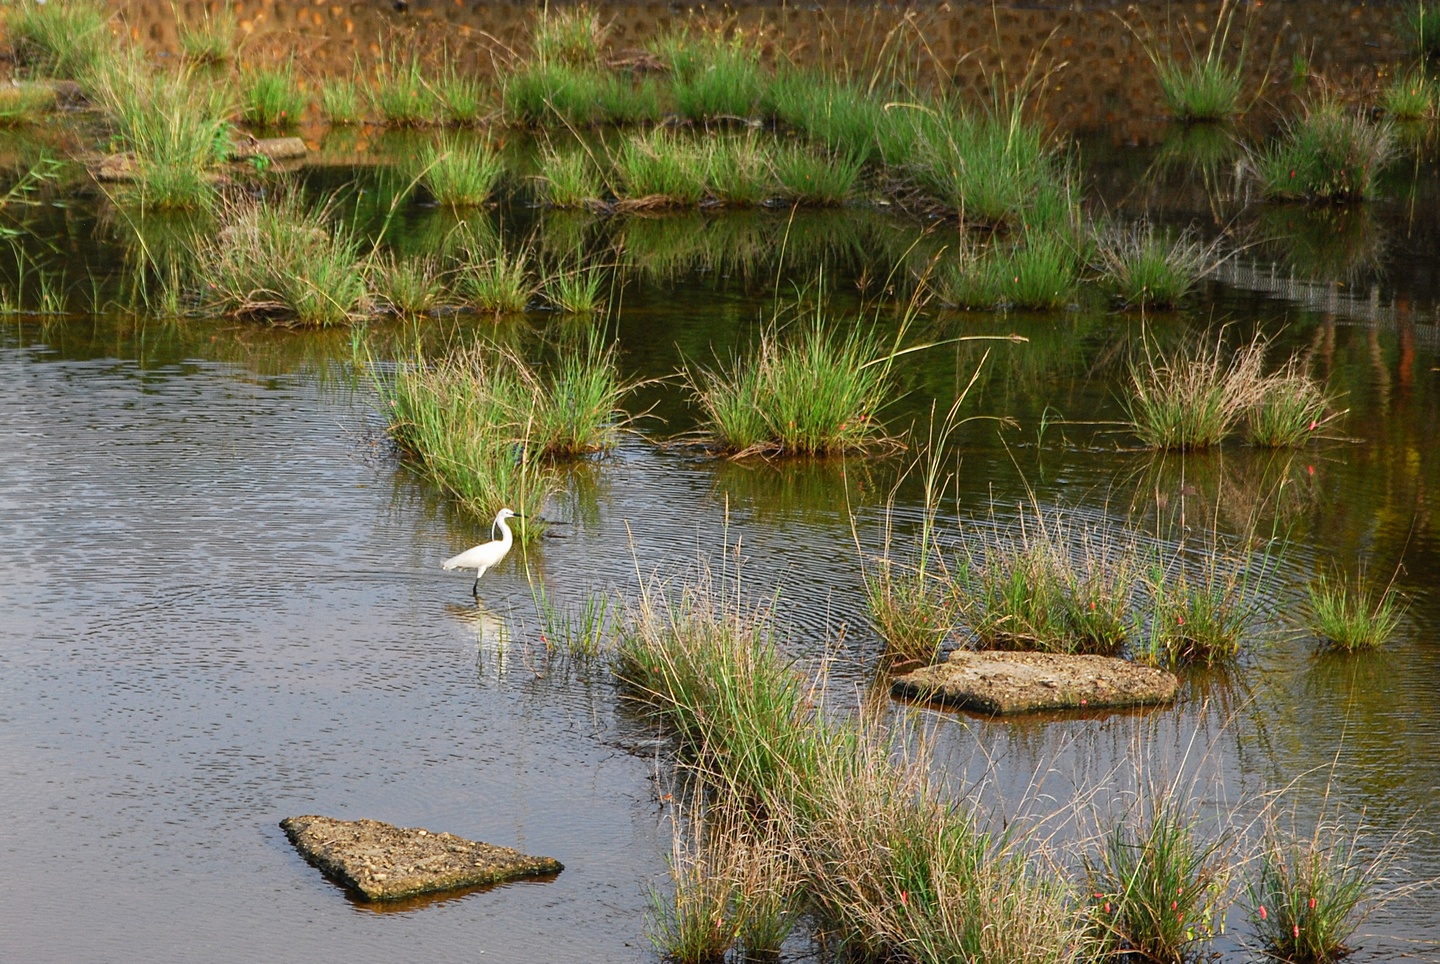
(223,602)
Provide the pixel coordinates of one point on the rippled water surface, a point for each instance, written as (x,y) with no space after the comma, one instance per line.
(222,601)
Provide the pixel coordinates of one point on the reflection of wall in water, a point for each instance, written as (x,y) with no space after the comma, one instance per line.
(1106,79)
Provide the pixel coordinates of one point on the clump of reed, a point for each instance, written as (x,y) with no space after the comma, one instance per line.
(211,39)
(1200,612)
(1146,269)
(25,103)
(544,94)
(573,36)
(408,287)
(461,173)
(568,178)
(401,95)
(465,420)
(844,117)
(461,98)
(579,632)
(1331,153)
(1195,396)
(1290,407)
(659,169)
(898,871)
(1038,271)
(496,282)
(1205,85)
(808,390)
(811,177)
(342,101)
(1409,95)
(733,880)
(60,38)
(283,260)
(1159,889)
(1049,586)
(713,77)
(577,289)
(1309,892)
(273,97)
(176,128)
(1349,615)
(991,168)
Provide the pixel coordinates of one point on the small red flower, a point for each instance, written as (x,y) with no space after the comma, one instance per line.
(1262,911)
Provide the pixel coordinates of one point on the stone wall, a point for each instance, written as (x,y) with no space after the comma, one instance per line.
(1096,72)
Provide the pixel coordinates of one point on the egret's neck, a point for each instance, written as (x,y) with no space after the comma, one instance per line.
(505,537)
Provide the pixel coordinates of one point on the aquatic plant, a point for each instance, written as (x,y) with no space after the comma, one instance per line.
(460,173)
(1290,406)
(658,169)
(282,260)
(737,170)
(273,97)
(401,94)
(713,77)
(695,923)
(576,402)
(625,99)
(991,169)
(577,289)
(1040,273)
(1049,585)
(1204,85)
(572,36)
(409,287)
(808,176)
(843,117)
(811,390)
(1349,615)
(1409,95)
(461,98)
(176,128)
(545,94)
(211,39)
(464,421)
(568,178)
(1194,397)
(59,38)
(1147,269)
(579,632)
(497,283)
(24,103)
(1197,617)
(1308,893)
(1332,153)
(1159,888)
(899,871)
(341,101)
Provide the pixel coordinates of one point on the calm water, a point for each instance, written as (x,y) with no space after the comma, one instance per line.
(222,602)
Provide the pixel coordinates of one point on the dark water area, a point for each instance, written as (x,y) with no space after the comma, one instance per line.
(222,601)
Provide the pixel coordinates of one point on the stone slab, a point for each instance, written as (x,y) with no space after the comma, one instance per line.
(380,861)
(275,148)
(1005,682)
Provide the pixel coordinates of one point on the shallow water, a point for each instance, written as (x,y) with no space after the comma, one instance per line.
(222,602)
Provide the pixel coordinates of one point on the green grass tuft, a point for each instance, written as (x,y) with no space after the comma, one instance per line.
(497,284)
(461,173)
(24,103)
(401,95)
(1332,153)
(342,102)
(1193,398)
(813,390)
(283,261)
(409,287)
(1146,269)
(60,38)
(568,178)
(813,177)
(1290,408)
(1409,96)
(1350,616)
(273,97)
(211,40)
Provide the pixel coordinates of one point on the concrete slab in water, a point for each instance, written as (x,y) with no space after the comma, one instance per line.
(1004,682)
(384,862)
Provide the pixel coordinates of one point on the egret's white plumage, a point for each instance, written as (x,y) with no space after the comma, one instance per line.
(486,554)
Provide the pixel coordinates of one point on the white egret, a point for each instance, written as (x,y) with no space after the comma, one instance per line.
(486,554)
